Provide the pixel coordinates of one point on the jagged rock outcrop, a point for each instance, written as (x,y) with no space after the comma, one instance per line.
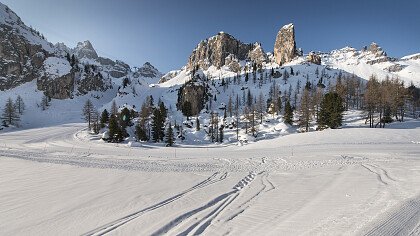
(193,92)
(232,62)
(395,68)
(285,45)
(257,54)
(314,58)
(118,69)
(147,71)
(93,82)
(376,50)
(58,88)
(168,76)
(214,51)
(85,50)
(22,50)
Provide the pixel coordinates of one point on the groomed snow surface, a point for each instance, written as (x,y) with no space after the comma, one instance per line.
(60,180)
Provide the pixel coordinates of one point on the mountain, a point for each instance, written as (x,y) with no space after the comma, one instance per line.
(373,60)
(27,56)
(220,70)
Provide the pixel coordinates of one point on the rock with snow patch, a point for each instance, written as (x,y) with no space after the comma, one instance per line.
(214,50)
(285,45)
(314,58)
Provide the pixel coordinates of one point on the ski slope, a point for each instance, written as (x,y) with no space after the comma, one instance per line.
(352,181)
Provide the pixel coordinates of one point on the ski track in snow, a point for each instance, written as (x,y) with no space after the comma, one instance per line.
(243,203)
(216,177)
(405,220)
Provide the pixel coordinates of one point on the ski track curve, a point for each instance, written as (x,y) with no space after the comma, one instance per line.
(215,207)
(121,221)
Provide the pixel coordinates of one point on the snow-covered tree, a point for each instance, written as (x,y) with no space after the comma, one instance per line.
(19,105)
(10,116)
(88,112)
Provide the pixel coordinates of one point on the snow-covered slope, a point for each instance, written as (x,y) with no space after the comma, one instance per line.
(370,61)
(9,18)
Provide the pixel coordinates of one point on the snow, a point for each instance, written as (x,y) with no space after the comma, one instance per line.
(9,18)
(57,180)
(56,67)
(290,25)
(353,61)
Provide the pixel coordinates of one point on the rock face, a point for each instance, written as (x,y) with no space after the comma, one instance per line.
(148,71)
(257,54)
(193,92)
(93,82)
(85,50)
(232,62)
(214,51)
(285,45)
(58,88)
(314,58)
(22,50)
(376,50)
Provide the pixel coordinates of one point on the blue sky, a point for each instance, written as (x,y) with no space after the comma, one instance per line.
(165,32)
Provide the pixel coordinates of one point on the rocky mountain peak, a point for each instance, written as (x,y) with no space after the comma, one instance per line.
(285,45)
(257,54)
(376,49)
(85,50)
(214,50)
(148,71)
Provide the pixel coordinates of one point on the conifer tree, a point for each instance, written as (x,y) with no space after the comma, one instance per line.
(45,102)
(104,118)
(114,108)
(197,124)
(331,114)
(19,105)
(288,113)
(306,110)
(221,137)
(10,116)
(169,135)
(96,122)
(115,133)
(158,126)
(88,111)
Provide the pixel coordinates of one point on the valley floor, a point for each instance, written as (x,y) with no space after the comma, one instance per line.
(352,181)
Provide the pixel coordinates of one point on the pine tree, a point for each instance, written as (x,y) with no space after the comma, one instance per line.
(10,115)
(306,110)
(73,60)
(115,133)
(95,122)
(141,133)
(45,102)
(288,113)
(169,135)
(104,118)
(68,57)
(88,111)
(230,106)
(249,98)
(114,108)
(221,137)
(331,114)
(19,105)
(158,126)
(197,124)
